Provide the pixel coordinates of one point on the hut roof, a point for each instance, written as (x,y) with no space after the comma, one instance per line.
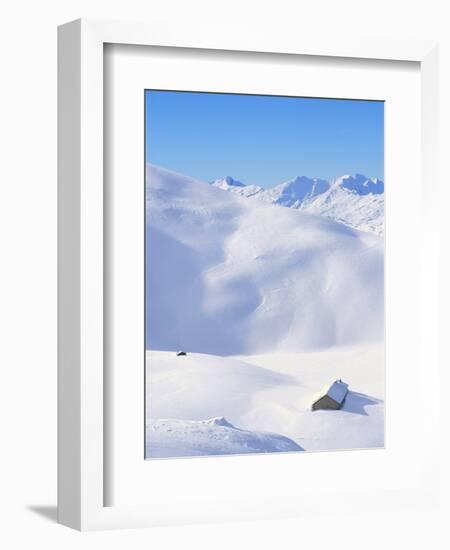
(337,391)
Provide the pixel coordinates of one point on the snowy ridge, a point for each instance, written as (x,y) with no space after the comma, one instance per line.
(356,201)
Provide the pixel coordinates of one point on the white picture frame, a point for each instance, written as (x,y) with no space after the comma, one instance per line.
(82,393)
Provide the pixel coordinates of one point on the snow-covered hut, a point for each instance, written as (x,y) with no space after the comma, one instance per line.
(331,397)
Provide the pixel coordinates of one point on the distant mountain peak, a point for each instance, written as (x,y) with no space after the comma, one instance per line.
(302,180)
(228,180)
(360,184)
(228,183)
(295,191)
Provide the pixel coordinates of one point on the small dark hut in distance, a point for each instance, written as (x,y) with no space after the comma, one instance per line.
(331,397)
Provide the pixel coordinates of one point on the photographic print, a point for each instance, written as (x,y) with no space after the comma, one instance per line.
(264,274)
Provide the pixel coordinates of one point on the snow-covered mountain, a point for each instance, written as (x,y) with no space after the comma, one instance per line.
(232,276)
(360,184)
(356,201)
(295,192)
(353,200)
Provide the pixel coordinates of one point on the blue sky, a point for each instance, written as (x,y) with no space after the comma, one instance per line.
(263,139)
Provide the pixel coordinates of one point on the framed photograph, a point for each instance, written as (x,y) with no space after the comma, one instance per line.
(261,336)
(247,300)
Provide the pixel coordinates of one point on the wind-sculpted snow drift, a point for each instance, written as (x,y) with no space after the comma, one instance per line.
(215,436)
(227,275)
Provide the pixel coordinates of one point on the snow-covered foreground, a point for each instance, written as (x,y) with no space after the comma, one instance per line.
(216,436)
(203,404)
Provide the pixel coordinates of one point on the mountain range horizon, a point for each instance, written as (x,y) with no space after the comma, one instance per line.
(355,200)
(357,176)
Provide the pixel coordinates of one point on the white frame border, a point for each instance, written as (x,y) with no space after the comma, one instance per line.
(80,246)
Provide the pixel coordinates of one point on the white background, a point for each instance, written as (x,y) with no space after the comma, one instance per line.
(28,271)
(274,478)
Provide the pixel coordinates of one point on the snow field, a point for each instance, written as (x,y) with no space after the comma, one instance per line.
(264,394)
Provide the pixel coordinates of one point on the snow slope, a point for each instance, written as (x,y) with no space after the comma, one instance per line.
(356,201)
(229,275)
(360,422)
(268,397)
